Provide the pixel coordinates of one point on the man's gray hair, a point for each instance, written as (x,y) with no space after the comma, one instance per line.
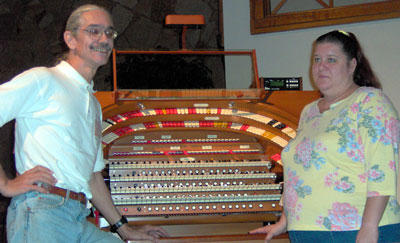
(73,22)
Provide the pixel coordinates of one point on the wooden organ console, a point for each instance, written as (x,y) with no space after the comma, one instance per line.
(203,164)
(180,162)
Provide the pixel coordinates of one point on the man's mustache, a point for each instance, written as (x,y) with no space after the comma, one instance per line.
(101,47)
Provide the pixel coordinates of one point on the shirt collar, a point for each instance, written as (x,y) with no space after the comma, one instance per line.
(68,70)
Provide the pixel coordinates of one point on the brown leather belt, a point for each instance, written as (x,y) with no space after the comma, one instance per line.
(80,197)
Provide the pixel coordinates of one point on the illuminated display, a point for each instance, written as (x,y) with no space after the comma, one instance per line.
(282,83)
(276,83)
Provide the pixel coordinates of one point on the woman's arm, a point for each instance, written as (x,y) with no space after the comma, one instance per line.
(374,208)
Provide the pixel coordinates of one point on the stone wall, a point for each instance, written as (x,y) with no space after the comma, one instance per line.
(31,35)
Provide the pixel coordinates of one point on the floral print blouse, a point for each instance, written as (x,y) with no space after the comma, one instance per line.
(338,159)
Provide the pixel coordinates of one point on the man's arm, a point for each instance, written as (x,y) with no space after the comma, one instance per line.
(103,202)
(25,182)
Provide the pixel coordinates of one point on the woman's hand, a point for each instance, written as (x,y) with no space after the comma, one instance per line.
(367,234)
(273,229)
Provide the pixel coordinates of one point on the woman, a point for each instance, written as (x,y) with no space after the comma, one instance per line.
(340,170)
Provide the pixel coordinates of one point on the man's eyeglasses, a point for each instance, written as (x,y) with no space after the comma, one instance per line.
(96,32)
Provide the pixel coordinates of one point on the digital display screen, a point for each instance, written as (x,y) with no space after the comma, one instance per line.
(276,83)
(282,83)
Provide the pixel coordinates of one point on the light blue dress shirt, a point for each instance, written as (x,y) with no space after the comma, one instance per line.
(58,124)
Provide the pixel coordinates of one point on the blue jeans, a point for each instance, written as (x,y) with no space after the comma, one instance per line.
(37,217)
(387,234)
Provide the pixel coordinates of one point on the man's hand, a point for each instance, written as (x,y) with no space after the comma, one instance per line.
(145,232)
(25,182)
(102,201)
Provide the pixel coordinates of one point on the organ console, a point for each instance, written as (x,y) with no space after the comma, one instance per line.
(195,158)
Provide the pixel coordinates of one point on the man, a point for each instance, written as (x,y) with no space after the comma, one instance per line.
(58,150)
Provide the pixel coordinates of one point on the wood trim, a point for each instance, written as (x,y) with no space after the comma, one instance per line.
(323,4)
(262,22)
(222,238)
(279,6)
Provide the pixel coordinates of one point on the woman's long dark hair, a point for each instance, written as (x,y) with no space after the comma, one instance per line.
(363,74)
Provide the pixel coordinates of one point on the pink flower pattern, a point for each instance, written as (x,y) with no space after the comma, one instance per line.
(341,217)
(363,177)
(293,190)
(375,174)
(341,185)
(392,134)
(307,154)
(373,194)
(392,165)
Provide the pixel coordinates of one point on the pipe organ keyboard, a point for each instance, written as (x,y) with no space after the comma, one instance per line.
(185,176)
(184,162)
